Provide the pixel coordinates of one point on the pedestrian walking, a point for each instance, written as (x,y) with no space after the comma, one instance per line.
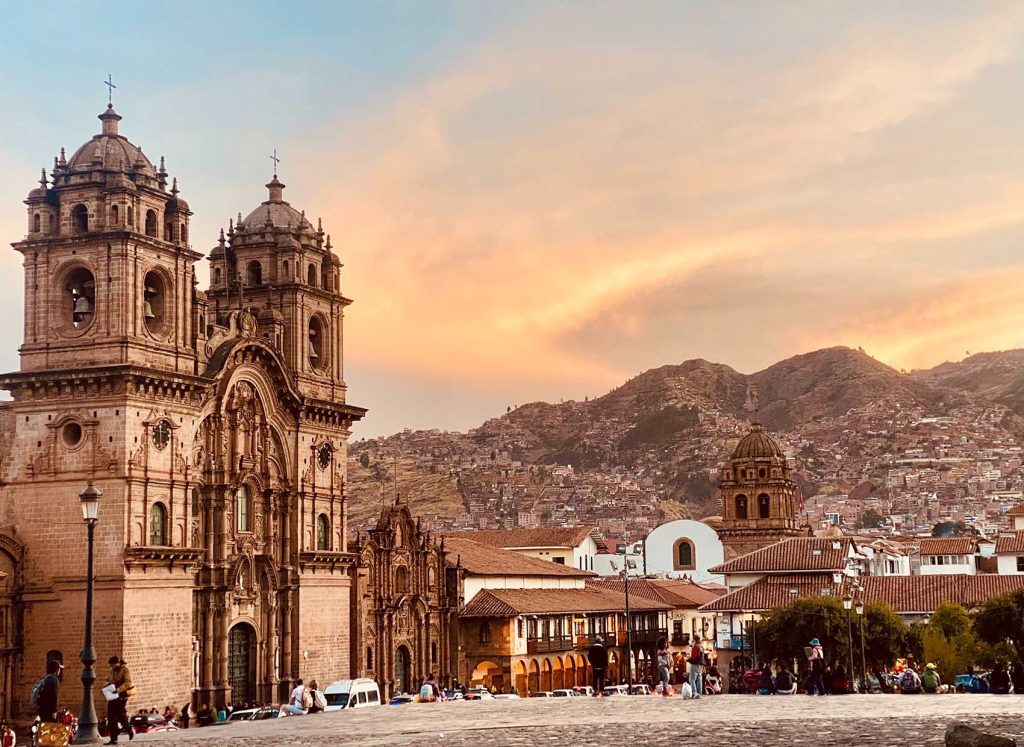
(664,666)
(598,656)
(696,662)
(816,662)
(46,692)
(117,709)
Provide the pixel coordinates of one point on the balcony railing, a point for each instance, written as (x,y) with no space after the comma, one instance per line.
(552,643)
(648,635)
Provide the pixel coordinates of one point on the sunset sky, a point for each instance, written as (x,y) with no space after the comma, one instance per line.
(540,200)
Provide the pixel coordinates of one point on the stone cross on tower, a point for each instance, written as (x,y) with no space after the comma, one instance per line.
(276,161)
(109,83)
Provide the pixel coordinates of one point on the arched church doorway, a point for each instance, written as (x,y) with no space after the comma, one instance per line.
(402,670)
(242,663)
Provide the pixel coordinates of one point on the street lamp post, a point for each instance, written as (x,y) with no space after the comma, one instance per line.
(847,605)
(629,626)
(87,728)
(863,657)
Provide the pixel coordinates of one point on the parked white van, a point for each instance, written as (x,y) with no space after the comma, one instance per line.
(359,693)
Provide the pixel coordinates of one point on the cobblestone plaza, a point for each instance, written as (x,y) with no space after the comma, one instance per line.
(726,720)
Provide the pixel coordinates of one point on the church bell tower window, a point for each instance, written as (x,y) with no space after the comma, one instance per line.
(242,509)
(151,223)
(80,297)
(323,532)
(154,303)
(316,343)
(80,218)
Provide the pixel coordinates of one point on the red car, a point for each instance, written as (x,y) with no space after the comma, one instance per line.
(144,723)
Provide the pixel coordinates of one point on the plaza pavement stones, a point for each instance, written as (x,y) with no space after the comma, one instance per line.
(730,720)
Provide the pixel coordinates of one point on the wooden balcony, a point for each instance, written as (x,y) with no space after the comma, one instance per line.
(548,645)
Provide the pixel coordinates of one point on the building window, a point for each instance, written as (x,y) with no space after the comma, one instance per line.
(243,508)
(485,632)
(520,631)
(741,507)
(560,560)
(151,223)
(184,234)
(158,525)
(762,473)
(323,532)
(316,342)
(154,303)
(433,651)
(1020,564)
(311,276)
(369,657)
(402,579)
(684,555)
(80,218)
(764,503)
(254,273)
(37,223)
(131,217)
(115,215)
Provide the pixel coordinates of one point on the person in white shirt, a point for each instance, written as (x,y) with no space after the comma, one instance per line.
(294,707)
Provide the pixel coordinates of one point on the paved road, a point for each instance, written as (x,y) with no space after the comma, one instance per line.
(732,720)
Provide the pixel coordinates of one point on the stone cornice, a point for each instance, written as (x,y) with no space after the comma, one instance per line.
(99,380)
(182,557)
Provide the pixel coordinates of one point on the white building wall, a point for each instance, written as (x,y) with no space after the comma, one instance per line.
(661,542)
(1006,565)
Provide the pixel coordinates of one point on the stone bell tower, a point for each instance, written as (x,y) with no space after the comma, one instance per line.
(758,496)
(108,270)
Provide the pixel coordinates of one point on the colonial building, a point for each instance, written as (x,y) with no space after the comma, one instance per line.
(404,605)
(215,424)
(758,496)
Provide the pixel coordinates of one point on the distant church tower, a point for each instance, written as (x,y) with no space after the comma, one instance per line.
(758,496)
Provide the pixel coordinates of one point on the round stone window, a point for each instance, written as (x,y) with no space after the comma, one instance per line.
(71,434)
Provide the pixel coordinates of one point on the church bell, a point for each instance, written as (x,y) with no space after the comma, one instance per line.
(147,310)
(81,311)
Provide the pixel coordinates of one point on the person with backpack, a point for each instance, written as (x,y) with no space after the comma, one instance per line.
(696,662)
(46,692)
(930,680)
(816,662)
(117,709)
(910,682)
(429,691)
(999,682)
(319,702)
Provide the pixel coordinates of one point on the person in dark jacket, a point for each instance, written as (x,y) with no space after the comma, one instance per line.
(1000,681)
(767,684)
(598,656)
(49,693)
(1017,678)
(785,684)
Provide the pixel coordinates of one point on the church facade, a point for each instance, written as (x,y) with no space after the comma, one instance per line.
(214,423)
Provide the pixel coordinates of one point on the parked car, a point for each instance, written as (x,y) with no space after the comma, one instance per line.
(506,696)
(402,699)
(146,723)
(244,714)
(478,693)
(584,690)
(615,690)
(640,690)
(267,712)
(543,694)
(971,683)
(564,693)
(358,693)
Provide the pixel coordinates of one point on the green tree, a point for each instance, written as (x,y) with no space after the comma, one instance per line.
(949,641)
(786,630)
(870,519)
(1001,621)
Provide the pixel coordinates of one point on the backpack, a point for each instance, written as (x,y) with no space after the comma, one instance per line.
(37,690)
(426,693)
(908,682)
(930,680)
(307,700)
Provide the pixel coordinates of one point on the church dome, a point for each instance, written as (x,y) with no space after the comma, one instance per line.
(110,151)
(757,445)
(276,212)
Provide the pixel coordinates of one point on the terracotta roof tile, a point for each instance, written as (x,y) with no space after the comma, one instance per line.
(949,546)
(485,560)
(523,538)
(1010,544)
(1017,510)
(906,594)
(801,554)
(513,602)
(678,594)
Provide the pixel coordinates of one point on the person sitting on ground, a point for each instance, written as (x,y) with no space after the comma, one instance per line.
(319,701)
(767,684)
(785,682)
(999,683)
(930,680)
(169,713)
(298,702)
(840,682)
(206,716)
(1017,678)
(910,682)
(429,691)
